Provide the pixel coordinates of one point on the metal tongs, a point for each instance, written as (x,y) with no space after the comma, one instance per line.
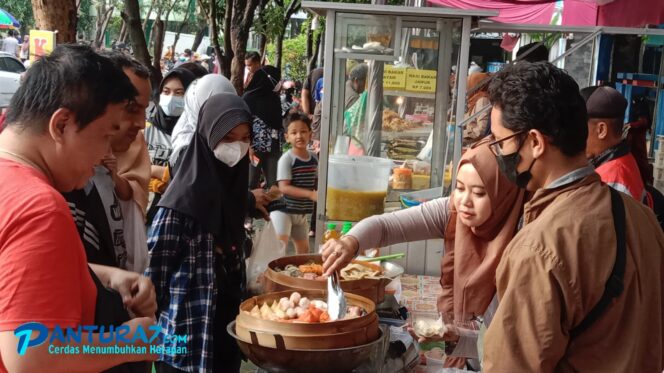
(336,301)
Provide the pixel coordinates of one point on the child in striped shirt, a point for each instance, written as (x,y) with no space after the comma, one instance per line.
(297,177)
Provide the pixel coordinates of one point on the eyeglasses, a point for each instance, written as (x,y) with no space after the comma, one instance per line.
(496,146)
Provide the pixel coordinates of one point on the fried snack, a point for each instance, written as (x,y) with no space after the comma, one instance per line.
(311,268)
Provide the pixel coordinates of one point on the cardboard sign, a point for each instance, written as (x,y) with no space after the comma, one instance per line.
(42,43)
(423,81)
(394,78)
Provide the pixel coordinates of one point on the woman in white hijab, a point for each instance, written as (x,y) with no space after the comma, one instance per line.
(199,91)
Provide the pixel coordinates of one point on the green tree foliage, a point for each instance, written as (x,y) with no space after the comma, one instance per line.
(294,58)
(86,22)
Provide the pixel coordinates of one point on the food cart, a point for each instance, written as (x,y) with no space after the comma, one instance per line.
(395,135)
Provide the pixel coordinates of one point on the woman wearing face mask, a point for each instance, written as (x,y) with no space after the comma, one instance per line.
(185,128)
(196,240)
(268,129)
(477,222)
(159,128)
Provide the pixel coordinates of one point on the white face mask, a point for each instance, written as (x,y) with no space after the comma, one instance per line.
(231,152)
(173,106)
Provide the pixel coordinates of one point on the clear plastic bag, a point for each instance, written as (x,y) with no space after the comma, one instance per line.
(267,247)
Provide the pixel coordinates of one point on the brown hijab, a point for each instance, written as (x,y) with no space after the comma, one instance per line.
(134,165)
(472,254)
(473,81)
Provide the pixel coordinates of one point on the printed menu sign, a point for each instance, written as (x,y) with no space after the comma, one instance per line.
(394,78)
(423,81)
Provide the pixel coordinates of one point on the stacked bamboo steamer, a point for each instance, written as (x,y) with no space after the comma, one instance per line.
(371,288)
(307,336)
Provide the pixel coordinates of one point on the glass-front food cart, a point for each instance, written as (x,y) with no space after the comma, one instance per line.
(392,76)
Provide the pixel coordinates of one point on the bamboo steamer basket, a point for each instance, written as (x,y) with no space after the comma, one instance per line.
(289,336)
(373,289)
(337,360)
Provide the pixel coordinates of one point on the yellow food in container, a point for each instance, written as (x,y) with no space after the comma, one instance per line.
(421,182)
(350,205)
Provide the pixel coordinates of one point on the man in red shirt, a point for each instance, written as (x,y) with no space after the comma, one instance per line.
(58,127)
(605,147)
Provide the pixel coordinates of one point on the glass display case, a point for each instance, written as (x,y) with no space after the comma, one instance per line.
(390,105)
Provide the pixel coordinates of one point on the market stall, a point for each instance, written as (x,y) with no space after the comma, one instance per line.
(390,134)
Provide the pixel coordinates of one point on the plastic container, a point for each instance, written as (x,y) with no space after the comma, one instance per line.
(412,199)
(402,178)
(426,318)
(346,228)
(357,186)
(434,360)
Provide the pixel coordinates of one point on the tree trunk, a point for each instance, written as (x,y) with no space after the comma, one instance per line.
(159,32)
(278,49)
(243,17)
(147,16)
(226,59)
(177,37)
(310,48)
(211,14)
(132,17)
(237,66)
(104,16)
(124,33)
(293,7)
(262,43)
(150,38)
(198,39)
(314,58)
(56,15)
(262,47)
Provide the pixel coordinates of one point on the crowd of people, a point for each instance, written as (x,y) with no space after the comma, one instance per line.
(142,194)
(122,207)
(16,46)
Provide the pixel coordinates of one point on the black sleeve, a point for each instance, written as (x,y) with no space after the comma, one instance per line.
(251,205)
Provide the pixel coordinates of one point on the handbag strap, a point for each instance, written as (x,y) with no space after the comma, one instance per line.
(614,285)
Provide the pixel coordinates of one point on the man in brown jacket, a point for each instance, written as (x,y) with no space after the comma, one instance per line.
(554,273)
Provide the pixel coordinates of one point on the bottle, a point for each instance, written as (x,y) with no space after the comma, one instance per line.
(346,227)
(331,233)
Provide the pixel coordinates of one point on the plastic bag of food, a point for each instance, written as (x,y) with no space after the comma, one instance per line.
(267,247)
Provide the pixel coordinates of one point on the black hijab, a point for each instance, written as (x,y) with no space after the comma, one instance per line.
(205,188)
(165,122)
(263,101)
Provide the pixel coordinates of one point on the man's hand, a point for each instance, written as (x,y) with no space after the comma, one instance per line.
(111,163)
(262,200)
(137,292)
(338,253)
(314,196)
(145,323)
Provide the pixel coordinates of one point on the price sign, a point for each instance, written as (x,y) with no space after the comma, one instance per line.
(423,81)
(394,78)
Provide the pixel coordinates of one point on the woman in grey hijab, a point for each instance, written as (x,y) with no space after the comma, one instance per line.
(197,240)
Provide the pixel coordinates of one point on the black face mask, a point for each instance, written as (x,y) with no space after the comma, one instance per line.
(507,165)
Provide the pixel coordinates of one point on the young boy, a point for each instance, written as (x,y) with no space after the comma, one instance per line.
(296,176)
